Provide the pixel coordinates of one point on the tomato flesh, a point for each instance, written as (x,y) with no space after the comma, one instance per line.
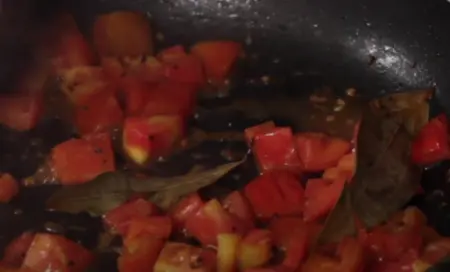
(140,254)
(178,257)
(237,205)
(275,150)
(80,160)
(431,144)
(186,208)
(15,251)
(9,187)
(318,151)
(50,251)
(285,192)
(218,57)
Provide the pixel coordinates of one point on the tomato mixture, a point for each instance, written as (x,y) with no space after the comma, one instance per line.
(270,225)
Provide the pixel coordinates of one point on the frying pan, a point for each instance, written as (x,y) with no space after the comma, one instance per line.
(377,47)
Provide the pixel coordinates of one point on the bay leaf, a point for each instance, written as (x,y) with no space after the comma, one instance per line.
(413,107)
(385,178)
(340,222)
(112,189)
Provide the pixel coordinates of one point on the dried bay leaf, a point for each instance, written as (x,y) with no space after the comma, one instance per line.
(385,178)
(112,189)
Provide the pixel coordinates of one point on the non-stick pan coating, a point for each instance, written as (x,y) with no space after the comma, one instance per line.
(375,46)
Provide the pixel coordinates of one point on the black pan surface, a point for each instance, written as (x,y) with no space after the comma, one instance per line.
(376,46)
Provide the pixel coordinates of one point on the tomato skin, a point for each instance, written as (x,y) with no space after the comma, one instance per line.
(282,188)
(179,257)
(80,160)
(211,220)
(218,57)
(431,144)
(262,128)
(320,197)
(119,218)
(255,249)
(318,151)
(122,33)
(186,208)
(15,251)
(140,254)
(236,204)
(21,112)
(56,252)
(155,226)
(9,187)
(275,150)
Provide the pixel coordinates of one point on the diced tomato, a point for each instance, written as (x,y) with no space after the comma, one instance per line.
(211,220)
(20,112)
(335,173)
(112,68)
(227,251)
(171,98)
(100,112)
(318,151)
(172,54)
(321,195)
(15,251)
(9,187)
(348,162)
(436,251)
(155,226)
(151,70)
(275,150)
(178,257)
(431,144)
(255,250)
(185,209)
(406,262)
(278,268)
(50,251)
(218,57)
(143,137)
(81,82)
(6,268)
(140,254)
(294,236)
(119,218)
(389,242)
(237,205)
(282,189)
(186,69)
(122,33)
(263,128)
(80,160)
(134,91)
(73,50)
